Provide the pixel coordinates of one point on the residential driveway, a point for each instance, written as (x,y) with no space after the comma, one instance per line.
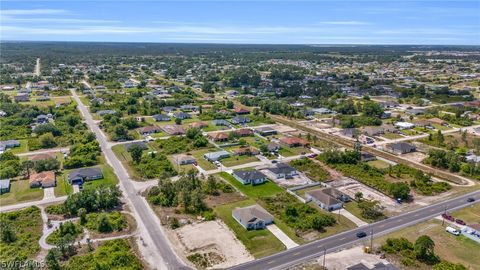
(76,188)
(282,236)
(48,193)
(353,218)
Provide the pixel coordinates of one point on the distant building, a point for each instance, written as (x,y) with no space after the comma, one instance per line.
(142,145)
(243,132)
(182,159)
(404,125)
(216,156)
(149,130)
(252,217)
(4,145)
(240,119)
(253,177)
(241,111)
(182,115)
(265,131)
(329,199)
(161,117)
(401,148)
(294,141)
(218,136)
(173,129)
(105,112)
(221,122)
(4,186)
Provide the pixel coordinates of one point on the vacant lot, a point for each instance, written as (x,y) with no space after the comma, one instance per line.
(235,160)
(259,243)
(214,240)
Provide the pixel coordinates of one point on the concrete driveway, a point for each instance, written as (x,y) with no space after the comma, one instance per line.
(49,193)
(281,236)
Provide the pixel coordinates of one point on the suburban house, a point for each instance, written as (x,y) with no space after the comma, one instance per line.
(43,119)
(265,131)
(365,157)
(294,141)
(4,186)
(149,130)
(221,122)
(169,109)
(43,179)
(401,148)
(79,176)
(22,98)
(247,150)
(161,117)
(252,217)
(437,121)
(189,108)
(182,159)
(4,145)
(240,120)
(42,156)
(244,132)
(173,129)
(273,147)
(373,131)
(105,112)
(404,125)
(415,111)
(218,136)
(329,199)
(282,170)
(142,145)
(182,115)
(422,123)
(198,125)
(250,177)
(241,111)
(216,156)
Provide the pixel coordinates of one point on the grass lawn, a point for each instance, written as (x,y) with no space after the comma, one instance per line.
(391,136)
(380,164)
(353,208)
(469,214)
(457,249)
(205,164)
(109,177)
(235,160)
(63,187)
(410,132)
(21,149)
(343,224)
(125,158)
(292,151)
(20,191)
(266,189)
(259,243)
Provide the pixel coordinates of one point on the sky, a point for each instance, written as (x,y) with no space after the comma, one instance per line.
(258,22)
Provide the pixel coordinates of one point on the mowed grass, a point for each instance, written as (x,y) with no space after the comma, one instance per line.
(109,178)
(201,161)
(63,188)
(457,249)
(266,189)
(20,191)
(22,148)
(380,164)
(259,243)
(235,160)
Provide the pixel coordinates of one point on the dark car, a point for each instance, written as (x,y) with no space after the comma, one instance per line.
(470,199)
(448,217)
(361,234)
(274,161)
(461,222)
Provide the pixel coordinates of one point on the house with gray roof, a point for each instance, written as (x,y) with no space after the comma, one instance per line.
(182,115)
(4,186)
(253,177)
(221,122)
(105,112)
(216,156)
(4,145)
(161,117)
(329,199)
(282,170)
(79,176)
(240,119)
(401,148)
(252,217)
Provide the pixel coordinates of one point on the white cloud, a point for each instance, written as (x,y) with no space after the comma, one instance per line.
(7,12)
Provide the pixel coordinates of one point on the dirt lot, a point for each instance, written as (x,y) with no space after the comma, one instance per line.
(369,194)
(297,180)
(415,156)
(283,129)
(214,239)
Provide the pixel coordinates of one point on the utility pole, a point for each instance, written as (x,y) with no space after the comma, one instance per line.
(371,240)
(443,216)
(324,255)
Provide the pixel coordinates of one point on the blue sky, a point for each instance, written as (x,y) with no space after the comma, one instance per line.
(278,22)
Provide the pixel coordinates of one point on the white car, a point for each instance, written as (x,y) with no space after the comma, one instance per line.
(149,139)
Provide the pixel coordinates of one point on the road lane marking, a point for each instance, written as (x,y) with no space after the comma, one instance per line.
(343,238)
(270,262)
(295,254)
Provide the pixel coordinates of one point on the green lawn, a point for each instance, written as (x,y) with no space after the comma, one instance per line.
(202,162)
(380,164)
(353,208)
(259,243)
(20,191)
(266,189)
(392,136)
(63,187)
(292,151)
(109,178)
(235,160)
(22,148)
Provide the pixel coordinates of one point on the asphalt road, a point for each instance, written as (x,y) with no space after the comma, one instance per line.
(146,220)
(315,249)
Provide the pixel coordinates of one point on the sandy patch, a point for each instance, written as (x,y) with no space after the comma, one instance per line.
(213,238)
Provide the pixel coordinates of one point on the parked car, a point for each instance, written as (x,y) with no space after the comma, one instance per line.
(361,234)
(470,199)
(448,217)
(452,231)
(312,155)
(461,222)
(274,161)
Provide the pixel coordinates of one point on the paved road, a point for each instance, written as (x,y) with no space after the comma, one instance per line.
(45,151)
(315,249)
(12,207)
(146,219)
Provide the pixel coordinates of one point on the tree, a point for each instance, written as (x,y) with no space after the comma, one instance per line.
(26,166)
(358,196)
(52,259)
(82,214)
(136,152)
(49,164)
(104,225)
(8,235)
(399,190)
(424,248)
(444,265)
(178,121)
(47,140)
(370,209)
